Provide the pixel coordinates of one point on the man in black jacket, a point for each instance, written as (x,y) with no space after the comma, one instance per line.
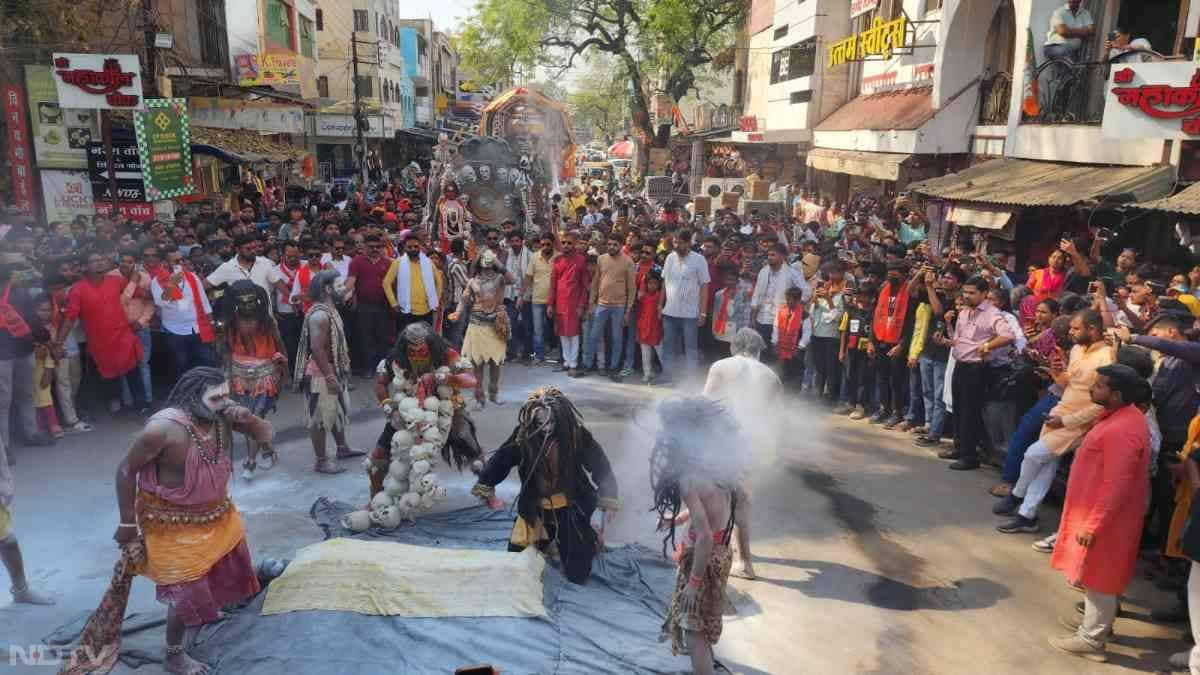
(554,455)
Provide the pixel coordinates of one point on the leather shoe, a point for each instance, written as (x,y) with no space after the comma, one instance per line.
(964,465)
(950,453)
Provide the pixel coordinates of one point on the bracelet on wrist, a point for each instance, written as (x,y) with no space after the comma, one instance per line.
(127,526)
(695,581)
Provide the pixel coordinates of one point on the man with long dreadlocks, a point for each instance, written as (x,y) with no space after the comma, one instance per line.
(564,474)
(423,365)
(323,369)
(178,525)
(254,359)
(691,465)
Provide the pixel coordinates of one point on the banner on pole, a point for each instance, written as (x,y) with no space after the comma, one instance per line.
(165,148)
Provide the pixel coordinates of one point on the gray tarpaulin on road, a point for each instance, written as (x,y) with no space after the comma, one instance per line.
(609,625)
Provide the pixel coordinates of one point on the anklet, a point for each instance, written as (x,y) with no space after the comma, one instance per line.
(174,650)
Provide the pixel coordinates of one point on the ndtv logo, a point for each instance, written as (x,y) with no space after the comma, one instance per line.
(47,655)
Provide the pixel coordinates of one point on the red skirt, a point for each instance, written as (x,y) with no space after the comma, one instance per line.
(229,582)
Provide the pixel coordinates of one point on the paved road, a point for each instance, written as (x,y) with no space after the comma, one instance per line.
(874,557)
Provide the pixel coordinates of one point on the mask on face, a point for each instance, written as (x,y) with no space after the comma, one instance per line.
(212,403)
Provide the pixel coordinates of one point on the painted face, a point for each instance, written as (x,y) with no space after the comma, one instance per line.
(341,292)
(212,402)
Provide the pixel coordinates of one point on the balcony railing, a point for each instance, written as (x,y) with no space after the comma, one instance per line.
(1073,93)
(995,94)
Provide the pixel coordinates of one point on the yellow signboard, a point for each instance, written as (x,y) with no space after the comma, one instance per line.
(270,69)
(881,39)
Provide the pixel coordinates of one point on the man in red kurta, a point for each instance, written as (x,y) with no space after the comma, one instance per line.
(96,301)
(1105,504)
(569,286)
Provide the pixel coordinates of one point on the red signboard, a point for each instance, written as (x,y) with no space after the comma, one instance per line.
(19,149)
(748,123)
(1162,101)
(141,212)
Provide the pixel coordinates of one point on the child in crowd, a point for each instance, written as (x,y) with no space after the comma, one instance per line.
(43,370)
(857,351)
(731,304)
(791,336)
(649,324)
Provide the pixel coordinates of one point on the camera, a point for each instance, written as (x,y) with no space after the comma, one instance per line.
(1105,233)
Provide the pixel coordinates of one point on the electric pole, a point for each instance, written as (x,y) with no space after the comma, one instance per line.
(360,145)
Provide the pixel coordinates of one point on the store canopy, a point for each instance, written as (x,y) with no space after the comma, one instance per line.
(1186,201)
(1025,182)
(984,219)
(877,165)
(884,111)
(239,146)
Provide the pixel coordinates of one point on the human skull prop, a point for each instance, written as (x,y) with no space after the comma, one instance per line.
(357,521)
(388,517)
(380,501)
(467,174)
(402,440)
(399,468)
(445,392)
(430,403)
(432,436)
(419,468)
(395,486)
(427,483)
(444,423)
(409,403)
(422,452)
(502,176)
(427,501)
(446,407)
(485,173)
(409,502)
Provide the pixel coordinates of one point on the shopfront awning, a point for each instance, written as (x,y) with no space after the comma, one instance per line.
(240,146)
(1023,182)
(877,165)
(984,219)
(883,111)
(1185,202)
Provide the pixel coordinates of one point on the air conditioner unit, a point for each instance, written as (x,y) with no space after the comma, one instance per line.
(715,187)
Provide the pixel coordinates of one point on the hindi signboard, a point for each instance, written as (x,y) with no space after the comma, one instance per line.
(165,148)
(19,150)
(130,187)
(1158,99)
(877,43)
(67,194)
(860,7)
(98,81)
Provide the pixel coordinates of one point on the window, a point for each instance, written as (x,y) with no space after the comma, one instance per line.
(308,38)
(422,92)
(781,31)
(385,89)
(802,58)
(364,86)
(801,96)
(280,31)
(323,86)
(211,25)
(360,20)
(320,20)
(779,64)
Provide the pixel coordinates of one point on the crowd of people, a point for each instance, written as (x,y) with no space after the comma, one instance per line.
(1072,362)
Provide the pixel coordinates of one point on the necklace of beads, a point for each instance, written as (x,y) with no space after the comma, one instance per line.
(210,452)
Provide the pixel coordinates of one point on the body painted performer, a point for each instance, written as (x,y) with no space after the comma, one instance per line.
(254,359)
(323,369)
(565,476)
(421,366)
(178,525)
(488,330)
(690,466)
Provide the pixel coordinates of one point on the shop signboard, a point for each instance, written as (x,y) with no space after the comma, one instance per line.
(140,212)
(877,43)
(230,113)
(1157,100)
(60,135)
(98,81)
(66,194)
(860,7)
(165,148)
(19,150)
(272,69)
(342,126)
(128,165)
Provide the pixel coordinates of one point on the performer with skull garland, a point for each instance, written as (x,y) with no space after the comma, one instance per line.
(178,525)
(323,369)
(253,354)
(564,474)
(486,341)
(691,464)
(418,388)
(451,214)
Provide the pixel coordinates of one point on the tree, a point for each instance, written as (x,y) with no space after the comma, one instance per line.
(673,37)
(500,45)
(600,103)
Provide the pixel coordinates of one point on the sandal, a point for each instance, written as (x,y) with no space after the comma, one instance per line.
(327,465)
(269,457)
(348,453)
(1000,490)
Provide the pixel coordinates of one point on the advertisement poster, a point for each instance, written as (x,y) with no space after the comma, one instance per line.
(165,148)
(269,69)
(98,81)
(18,148)
(67,194)
(226,113)
(60,135)
(130,187)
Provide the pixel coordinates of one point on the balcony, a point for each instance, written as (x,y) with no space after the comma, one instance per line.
(1073,93)
(995,95)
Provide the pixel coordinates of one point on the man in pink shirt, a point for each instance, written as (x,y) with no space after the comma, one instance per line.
(979,330)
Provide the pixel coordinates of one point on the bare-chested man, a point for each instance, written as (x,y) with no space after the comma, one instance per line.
(172,491)
(691,466)
(486,342)
(323,369)
(10,551)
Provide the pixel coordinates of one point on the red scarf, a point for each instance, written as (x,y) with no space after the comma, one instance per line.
(11,320)
(888,325)
(163,275)
(207,334)
(788,322)
(305,275)
(721,321)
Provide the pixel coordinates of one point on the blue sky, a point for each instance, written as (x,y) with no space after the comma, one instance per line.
(445,13)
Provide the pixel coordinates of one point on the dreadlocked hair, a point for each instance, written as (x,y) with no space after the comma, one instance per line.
(230,304)
(438,349)
(568,431)
(189,390)
(688,424)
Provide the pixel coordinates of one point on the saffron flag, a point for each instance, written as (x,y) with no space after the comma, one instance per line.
(1029,103)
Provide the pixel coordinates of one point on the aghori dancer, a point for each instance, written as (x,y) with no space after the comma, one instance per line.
(488,330)
(750,390)
(178,525)
(323,369)
(422,366)
(565,476)
(691,466)
(254,359)
(10,550)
